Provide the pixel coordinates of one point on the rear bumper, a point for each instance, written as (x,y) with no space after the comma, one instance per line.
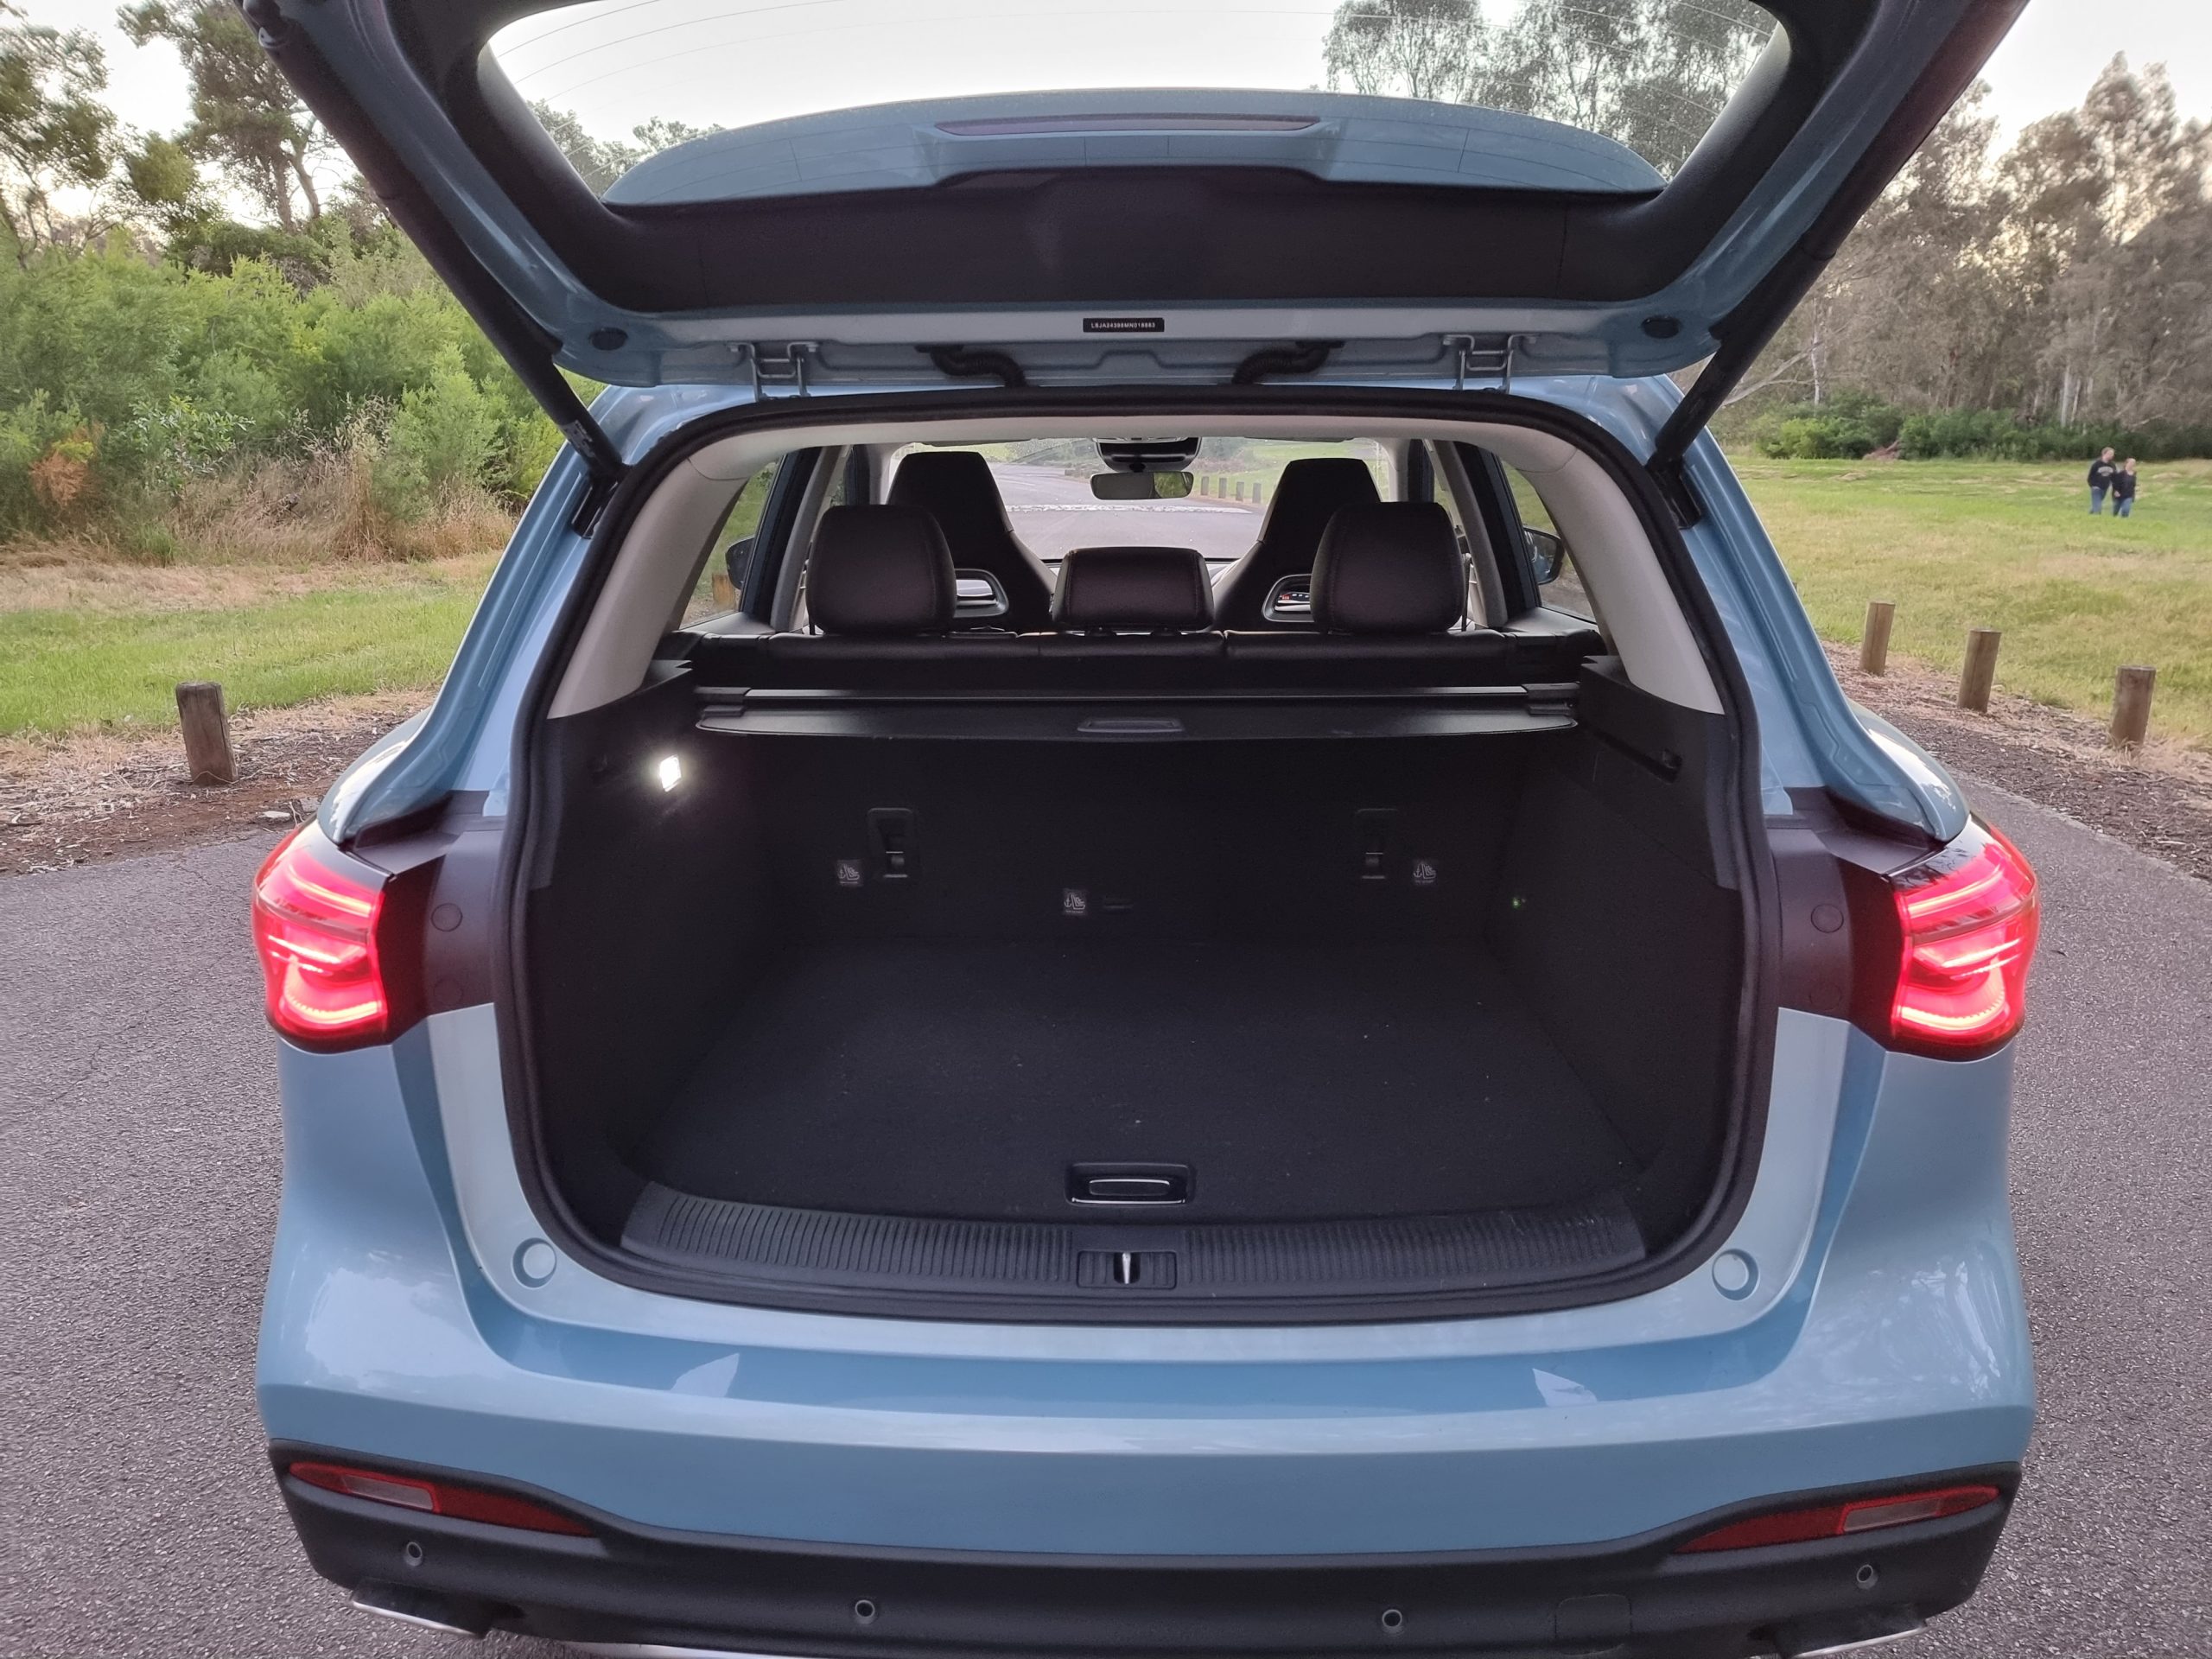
(627,1585)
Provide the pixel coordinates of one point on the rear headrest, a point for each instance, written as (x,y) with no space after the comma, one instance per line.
(879,570)
(1159,589)
(1392,567)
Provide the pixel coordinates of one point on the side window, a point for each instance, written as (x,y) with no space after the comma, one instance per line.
(720,589)
(1443,497)
(1559,584)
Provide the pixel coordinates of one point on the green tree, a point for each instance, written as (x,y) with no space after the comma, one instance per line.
(599,161)
(55,132)
(245,119)
(1652,74)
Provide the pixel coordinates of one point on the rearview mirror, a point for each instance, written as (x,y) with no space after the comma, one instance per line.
(1141,486)
(1546,554)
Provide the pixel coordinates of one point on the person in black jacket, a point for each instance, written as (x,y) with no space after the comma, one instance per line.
(2101,473)
(2123,490)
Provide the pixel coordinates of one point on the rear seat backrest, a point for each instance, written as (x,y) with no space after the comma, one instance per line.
(1136,589)
(1389,568)
(1310,493)
(880,585)
(879,570)
(1389,592)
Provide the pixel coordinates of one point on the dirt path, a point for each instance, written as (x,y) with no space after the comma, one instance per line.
(83,799)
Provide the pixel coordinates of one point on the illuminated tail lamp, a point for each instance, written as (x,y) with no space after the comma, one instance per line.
(438,1497)
(1843,1520)
(1945,971)
(323,925)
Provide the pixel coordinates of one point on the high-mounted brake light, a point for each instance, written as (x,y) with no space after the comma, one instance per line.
(1966,919)
(319,922)
(1842,1520)
(438,1497)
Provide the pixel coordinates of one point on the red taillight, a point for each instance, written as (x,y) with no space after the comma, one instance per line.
(438,1497)
(316,920)
(1842,1520)
(1968,918)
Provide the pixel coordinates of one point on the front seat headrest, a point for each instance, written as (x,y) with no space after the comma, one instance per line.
(879,570)
(1310,492)
(1154,589)
(1392,567)
(955,487)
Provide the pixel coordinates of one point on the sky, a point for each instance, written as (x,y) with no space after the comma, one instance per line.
(2046,64)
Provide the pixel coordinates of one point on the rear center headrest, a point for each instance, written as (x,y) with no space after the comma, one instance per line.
(879,570)
(1158,589)
(1389,567)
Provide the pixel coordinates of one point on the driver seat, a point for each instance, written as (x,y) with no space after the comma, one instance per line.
(955,487)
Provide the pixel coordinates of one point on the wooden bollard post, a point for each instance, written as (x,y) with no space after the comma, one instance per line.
(1875,645)
(1258,493)
(725,591)
(207,753)
(2131,706)
(1981,671)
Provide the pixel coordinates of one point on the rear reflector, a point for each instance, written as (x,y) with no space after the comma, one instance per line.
(438,1497)
(1968,918)
(319,923)
(1842,1520)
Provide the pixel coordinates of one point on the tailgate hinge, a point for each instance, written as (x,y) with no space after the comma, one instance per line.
(1480,357)
(769,369)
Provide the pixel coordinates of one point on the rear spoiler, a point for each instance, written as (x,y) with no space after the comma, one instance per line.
(1751,328)
(528,348)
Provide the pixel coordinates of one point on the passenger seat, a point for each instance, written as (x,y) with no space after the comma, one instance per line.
(1308,496)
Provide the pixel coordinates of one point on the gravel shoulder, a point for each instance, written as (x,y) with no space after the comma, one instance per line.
(87,800)
(2158,802)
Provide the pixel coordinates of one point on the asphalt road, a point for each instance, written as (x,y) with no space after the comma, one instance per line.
(140,1150)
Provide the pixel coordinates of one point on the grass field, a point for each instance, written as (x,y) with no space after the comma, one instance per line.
(1964,544)
(116,664)
(1956,545)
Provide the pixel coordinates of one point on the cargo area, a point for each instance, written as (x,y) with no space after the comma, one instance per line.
(1151,1027)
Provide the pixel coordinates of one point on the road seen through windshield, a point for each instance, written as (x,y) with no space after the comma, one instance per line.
(1052,512)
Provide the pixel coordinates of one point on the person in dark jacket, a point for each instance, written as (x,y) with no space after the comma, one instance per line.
(2123,490)
(2101,473)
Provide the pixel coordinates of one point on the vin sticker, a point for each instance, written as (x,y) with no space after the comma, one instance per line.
(1125,325)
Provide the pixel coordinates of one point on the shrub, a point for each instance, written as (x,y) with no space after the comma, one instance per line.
(182,376)
(1849,425)
(31,434)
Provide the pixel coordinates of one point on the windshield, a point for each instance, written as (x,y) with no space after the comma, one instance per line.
(617,81)
(1050,501)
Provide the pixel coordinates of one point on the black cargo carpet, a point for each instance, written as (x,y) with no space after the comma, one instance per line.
(958,1079)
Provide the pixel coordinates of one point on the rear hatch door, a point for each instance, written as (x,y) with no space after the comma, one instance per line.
(653,191)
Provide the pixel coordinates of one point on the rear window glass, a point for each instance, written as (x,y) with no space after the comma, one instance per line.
(1047,486)
(617,82)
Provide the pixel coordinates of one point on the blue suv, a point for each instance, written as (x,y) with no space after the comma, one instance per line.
(1140,922)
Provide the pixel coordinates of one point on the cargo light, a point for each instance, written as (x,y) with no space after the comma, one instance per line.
(438,1497)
